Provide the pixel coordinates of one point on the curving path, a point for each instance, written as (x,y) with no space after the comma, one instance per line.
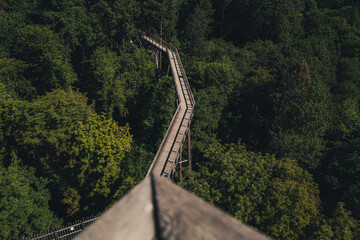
(170,148)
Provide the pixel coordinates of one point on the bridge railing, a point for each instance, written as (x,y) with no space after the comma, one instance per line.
(156,158)
(189,93)
(174,49)
(66,232)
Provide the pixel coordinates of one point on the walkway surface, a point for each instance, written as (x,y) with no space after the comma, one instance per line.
(170,149)
(158,209)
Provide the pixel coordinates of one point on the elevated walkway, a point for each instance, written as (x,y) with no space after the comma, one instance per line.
(158,209)
(168,154)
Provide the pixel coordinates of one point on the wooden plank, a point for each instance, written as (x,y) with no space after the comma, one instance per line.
(131,218)
(158,209)
(181,216)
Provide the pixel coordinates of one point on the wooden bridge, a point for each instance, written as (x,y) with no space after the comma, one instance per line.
(158,209)
(170,150)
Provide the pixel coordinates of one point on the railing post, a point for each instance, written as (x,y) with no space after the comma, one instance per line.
(56,235)
(160,44)
(82,225)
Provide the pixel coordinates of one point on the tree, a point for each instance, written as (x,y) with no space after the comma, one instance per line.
(221,6)
(48,63)
(339,173)
(24,208)
(197,26)
(156,117)
(344,226)
(276,196)
(12,75)
(279,21)
(79,151)
(116,20)
(91,163)
(249,113)
(302,116)
(116,80)
(165,12)
(108,87)
(11,116)
(73,22)
(210,104)
(221,74)
(44,129)
(348,70)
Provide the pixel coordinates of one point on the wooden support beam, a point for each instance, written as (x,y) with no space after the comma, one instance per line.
(189,150)
(180,164)
(160,60)
(168,71)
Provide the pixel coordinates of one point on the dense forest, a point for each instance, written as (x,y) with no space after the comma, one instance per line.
(276,131)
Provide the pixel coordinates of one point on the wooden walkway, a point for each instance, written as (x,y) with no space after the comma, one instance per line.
(158,209)
(170,148)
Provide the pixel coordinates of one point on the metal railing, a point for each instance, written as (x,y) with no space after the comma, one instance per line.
(174,49)
(67,232)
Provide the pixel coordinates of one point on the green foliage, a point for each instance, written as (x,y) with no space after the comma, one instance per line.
(48,63)
(12,75)
(11,116)
(340,173)
(72,21)
(197,26)
(9,21)
(274,195)
(24,208)
(91,161)
(282,76)
(302,114)
(109,87)
(116,80)
(222,74)
(47,119)
(80,152)
(137,162)
(116,18)
(138,71)
(159,114)
(44,130)
(344,226)
(248,113)
(206,122)
(165,13)
(348,70)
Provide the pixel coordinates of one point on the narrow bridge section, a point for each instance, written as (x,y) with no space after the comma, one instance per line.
(170,150)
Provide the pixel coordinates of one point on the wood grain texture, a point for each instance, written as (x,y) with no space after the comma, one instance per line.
(131,218)
(185,216)
(159,209)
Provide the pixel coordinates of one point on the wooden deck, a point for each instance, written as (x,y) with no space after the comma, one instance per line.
(158,209)
(169,151)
